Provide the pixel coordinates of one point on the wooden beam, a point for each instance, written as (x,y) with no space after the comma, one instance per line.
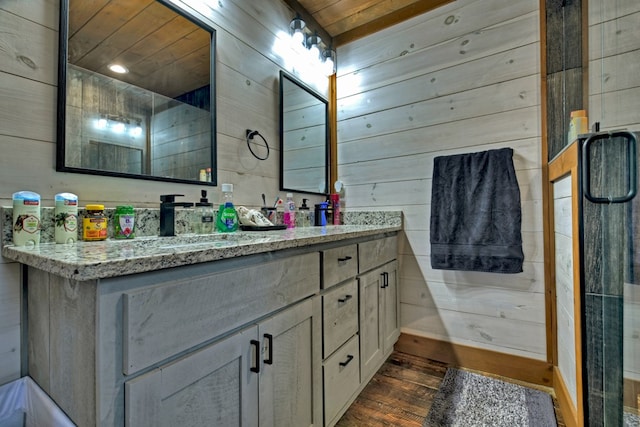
(400,15)
(333,132)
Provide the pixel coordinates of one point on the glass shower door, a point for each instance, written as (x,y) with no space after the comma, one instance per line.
(611,275)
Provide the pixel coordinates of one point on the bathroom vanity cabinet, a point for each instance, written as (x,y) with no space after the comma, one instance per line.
(360,318)
(284,337)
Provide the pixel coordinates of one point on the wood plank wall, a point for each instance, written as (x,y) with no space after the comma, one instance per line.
(250,55)
(614,88)
(462,78)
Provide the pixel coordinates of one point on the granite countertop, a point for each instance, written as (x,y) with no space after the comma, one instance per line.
(111,258)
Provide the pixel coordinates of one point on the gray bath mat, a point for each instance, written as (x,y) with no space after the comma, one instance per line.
(466,399)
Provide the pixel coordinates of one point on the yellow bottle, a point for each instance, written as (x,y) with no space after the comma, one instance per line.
(579,124)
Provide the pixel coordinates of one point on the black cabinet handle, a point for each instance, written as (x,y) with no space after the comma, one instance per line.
(269,359)
(346,362)
(345,299)
(343,259)
(256,345)
(385,280)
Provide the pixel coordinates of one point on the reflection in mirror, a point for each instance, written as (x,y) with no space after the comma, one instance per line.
(304,130)
(154,118)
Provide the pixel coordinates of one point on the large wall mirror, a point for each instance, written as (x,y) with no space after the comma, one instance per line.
(304,138)
(154,116)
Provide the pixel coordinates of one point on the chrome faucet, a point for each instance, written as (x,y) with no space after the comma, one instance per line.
(168,213)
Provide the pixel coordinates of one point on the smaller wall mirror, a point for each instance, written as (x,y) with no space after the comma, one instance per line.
(304,138)
(154,118)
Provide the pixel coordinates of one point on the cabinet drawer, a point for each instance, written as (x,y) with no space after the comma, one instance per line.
(340,316)
(339,264)
(341,378)
(166,319)
(374,253)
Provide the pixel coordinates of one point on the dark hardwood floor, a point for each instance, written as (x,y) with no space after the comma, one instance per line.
(400,394)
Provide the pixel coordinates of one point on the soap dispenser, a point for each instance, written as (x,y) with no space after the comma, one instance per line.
(304,214)
(227,216)
(203,221)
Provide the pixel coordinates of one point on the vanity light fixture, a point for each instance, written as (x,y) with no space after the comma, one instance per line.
(319,55)
(119,124)
(118,68)
(296,28)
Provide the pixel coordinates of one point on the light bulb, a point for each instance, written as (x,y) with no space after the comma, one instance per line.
(118,128)
(298,37)
(135,131)
(101,123)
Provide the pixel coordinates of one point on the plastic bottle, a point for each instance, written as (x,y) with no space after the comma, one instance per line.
(579,124)
(304,214)
(227,215)
(335,207)
(94,224)
(290,212)
(203,223)
(124,222)
(66,218)
(26,218)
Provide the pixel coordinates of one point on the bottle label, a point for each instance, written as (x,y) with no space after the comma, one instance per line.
(126,223)
(94,228)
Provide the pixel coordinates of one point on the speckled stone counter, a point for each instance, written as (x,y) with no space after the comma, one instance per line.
(110,258)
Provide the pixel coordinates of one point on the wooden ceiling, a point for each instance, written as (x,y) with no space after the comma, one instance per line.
(348,20)
(168,54)
(164,52)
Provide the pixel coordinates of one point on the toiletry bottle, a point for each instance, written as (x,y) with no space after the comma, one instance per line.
(66,218)
(203,222)
(290,212)
(335,206)
(304,214)
(578,125)
(227,215)
(26,218)
(320,214)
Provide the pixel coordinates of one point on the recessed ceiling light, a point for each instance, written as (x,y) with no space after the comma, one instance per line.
(117,68)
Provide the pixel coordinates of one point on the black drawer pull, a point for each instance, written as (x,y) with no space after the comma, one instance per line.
(346,362)
(343,259)
(345,299)
(256,345)
(385,280)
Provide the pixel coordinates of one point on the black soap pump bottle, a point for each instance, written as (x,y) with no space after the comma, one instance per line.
(203,223)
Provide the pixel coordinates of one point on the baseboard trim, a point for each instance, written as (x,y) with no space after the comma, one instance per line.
(506,365)
(565,402)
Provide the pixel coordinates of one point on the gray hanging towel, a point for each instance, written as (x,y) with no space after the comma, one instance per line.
(475,213)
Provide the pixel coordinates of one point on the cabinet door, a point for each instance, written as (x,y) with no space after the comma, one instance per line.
(371,316)
(291,367)
(391,318)
(212,387)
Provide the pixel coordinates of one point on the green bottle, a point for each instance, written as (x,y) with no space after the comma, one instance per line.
(227,220)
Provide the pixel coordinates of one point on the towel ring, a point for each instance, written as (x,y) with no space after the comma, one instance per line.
(250,134)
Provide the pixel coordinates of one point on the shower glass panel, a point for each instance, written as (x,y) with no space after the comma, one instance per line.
(611,278)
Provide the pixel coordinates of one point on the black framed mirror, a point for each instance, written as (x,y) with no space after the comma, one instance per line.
(304,138)
(154,117)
